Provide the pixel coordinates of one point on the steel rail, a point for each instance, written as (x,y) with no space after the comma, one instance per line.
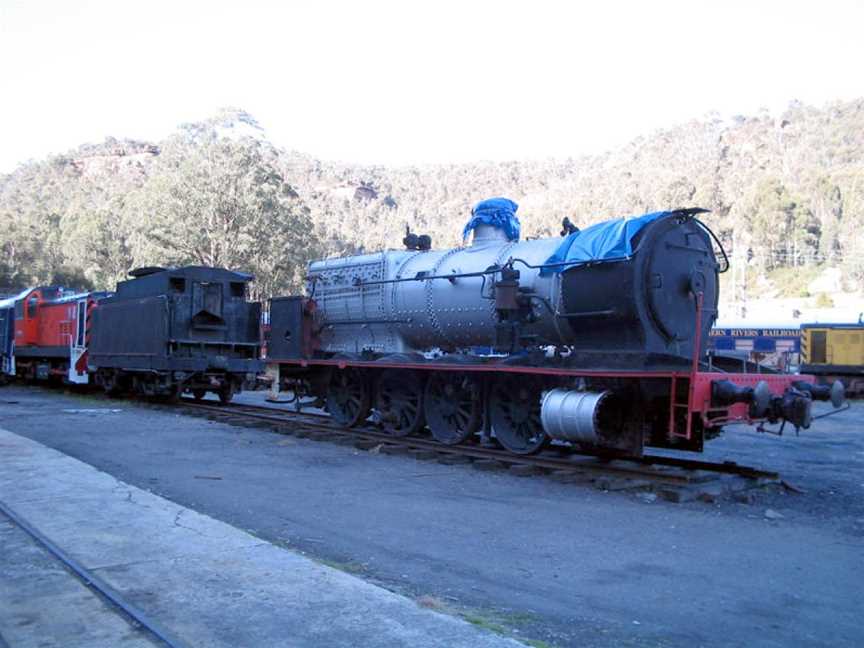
(134,615)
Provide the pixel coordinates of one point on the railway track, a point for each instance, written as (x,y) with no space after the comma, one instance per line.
(673,478)
(136,617)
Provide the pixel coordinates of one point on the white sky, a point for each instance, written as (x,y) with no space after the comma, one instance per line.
(413,82)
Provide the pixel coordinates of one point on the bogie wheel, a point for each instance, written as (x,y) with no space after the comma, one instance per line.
(514,408)
(348,397)
(452,406)
(171,395)
(111,385)
(399,401)
(198,394)
(226,392)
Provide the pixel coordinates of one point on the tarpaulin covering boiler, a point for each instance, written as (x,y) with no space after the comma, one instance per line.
(607,241)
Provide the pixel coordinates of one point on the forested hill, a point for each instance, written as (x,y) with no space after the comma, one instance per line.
(786,191)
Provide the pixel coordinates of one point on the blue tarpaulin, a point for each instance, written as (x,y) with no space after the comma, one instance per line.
(498,212)
(607,241)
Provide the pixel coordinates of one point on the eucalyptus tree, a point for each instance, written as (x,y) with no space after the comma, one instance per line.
(219,200)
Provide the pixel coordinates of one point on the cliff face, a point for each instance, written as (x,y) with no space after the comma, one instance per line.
(113,157)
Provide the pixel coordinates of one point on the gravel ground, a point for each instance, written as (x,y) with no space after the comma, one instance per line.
(562,563)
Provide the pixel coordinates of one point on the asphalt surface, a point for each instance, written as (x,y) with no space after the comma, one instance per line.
(567,564)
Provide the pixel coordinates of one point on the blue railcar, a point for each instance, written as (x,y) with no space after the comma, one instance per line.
(756,339)
(7,339)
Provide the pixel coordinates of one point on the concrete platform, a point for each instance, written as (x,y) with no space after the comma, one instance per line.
(206,582)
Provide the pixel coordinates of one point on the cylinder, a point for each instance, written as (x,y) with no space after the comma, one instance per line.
(570,415)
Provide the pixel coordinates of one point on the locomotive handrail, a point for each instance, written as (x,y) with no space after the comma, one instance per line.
(357,282)
(349,322)
(211,342)
(561,264)
(420,276)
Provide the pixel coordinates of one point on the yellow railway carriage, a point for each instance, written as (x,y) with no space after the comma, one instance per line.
(834,351)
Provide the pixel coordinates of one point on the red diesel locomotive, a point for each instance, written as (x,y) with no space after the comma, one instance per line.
(51,333)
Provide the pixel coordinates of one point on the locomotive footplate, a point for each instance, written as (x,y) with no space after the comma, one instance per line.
(618,409)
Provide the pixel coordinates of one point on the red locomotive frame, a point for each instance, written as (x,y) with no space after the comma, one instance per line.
(698,385)
(698,397)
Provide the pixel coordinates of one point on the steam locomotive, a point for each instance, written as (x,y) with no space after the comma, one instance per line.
(596,338)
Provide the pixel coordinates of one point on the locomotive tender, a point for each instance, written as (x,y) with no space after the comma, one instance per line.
(596,339)
(163,333)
